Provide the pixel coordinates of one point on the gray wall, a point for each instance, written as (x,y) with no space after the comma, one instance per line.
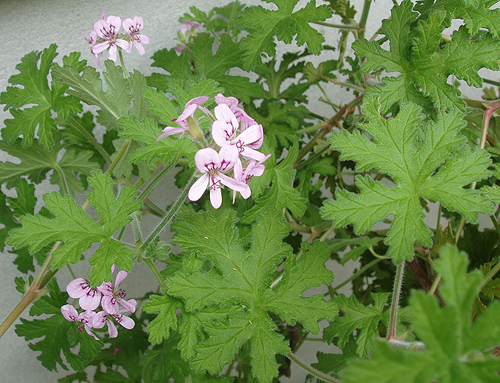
(33,25)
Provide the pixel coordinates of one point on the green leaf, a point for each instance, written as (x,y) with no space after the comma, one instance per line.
(457,349)
(166,306)
(115,102)
(69,170)
(31,86)
(207,64)
(78,231)
(423,65)
(264,24)
(25,201)
(242,279)
(424,160)
(147,132)
(281,194)
(357,317)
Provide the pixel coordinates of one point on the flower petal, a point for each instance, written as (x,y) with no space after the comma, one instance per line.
(232,183)
(229,101)
(69,313)
(216,197)
(112,53)
(77,288)
(139,48)
(112,331)
(143,39)
(99,320)
(129,305)
(123,44)
(120,277)
(110,305)
(253,154)
(222,133)
(252,135)
(116,22)
(197,101)
(106,288)
(128,25)
(91,300)
(228,157)
(198,188)
(222,112)
(126,322)
(170,130)
(206,160)
(101,47)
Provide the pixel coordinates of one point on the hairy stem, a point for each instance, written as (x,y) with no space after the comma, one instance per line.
(342,113)
(396,294)
(155,272)
(158,177)
(71,119)
(318,374)
(173,210)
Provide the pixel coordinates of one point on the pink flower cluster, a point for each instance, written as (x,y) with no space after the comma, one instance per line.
(237,138)
(105,36)
(111,299)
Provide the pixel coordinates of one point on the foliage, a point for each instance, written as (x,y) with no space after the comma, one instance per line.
(392,177)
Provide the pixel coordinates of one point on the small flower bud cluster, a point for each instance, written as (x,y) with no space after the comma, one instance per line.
(233,158)
(186,34)
(111,299)
(105,36)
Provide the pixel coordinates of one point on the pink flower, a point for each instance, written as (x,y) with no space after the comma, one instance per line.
(186,34)
(108,31)
(212,165)
(102,318)
(133,28)
(245,176)
(89,297)
(113,297)
(225,129)
(183,119)
(84,319)
(241,116)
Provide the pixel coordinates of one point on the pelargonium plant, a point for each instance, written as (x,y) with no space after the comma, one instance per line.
(386,188)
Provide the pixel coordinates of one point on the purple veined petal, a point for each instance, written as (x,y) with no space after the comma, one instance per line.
(197,101)
(106,288)
(128,25)
(120,277)
(222,112)
(87,317)
(123,44)
(112,331)
(250,136)
(77,288)
(110,305)
(170,130)
(112,53)
(115,23)
(198,188)
(228,155)
(99,320)
(91,300)
(99,48)
(139,48)
(222,133)
(206,160)
(232,183)
(216,197)
(125,321)
(102,28)
(253,154)
(69,313)
(139,23)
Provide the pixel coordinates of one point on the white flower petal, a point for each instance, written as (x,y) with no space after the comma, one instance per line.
(198,188)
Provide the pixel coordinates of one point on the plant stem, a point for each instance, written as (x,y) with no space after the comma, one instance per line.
(353,27)
(396,294)
(155,272)
(158,177)
(355,275)
(318,374)
(342,113)
(71,119)
(346,84)
(119,156)
(364,18)
(489,276)
(122,62)
(173,210)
